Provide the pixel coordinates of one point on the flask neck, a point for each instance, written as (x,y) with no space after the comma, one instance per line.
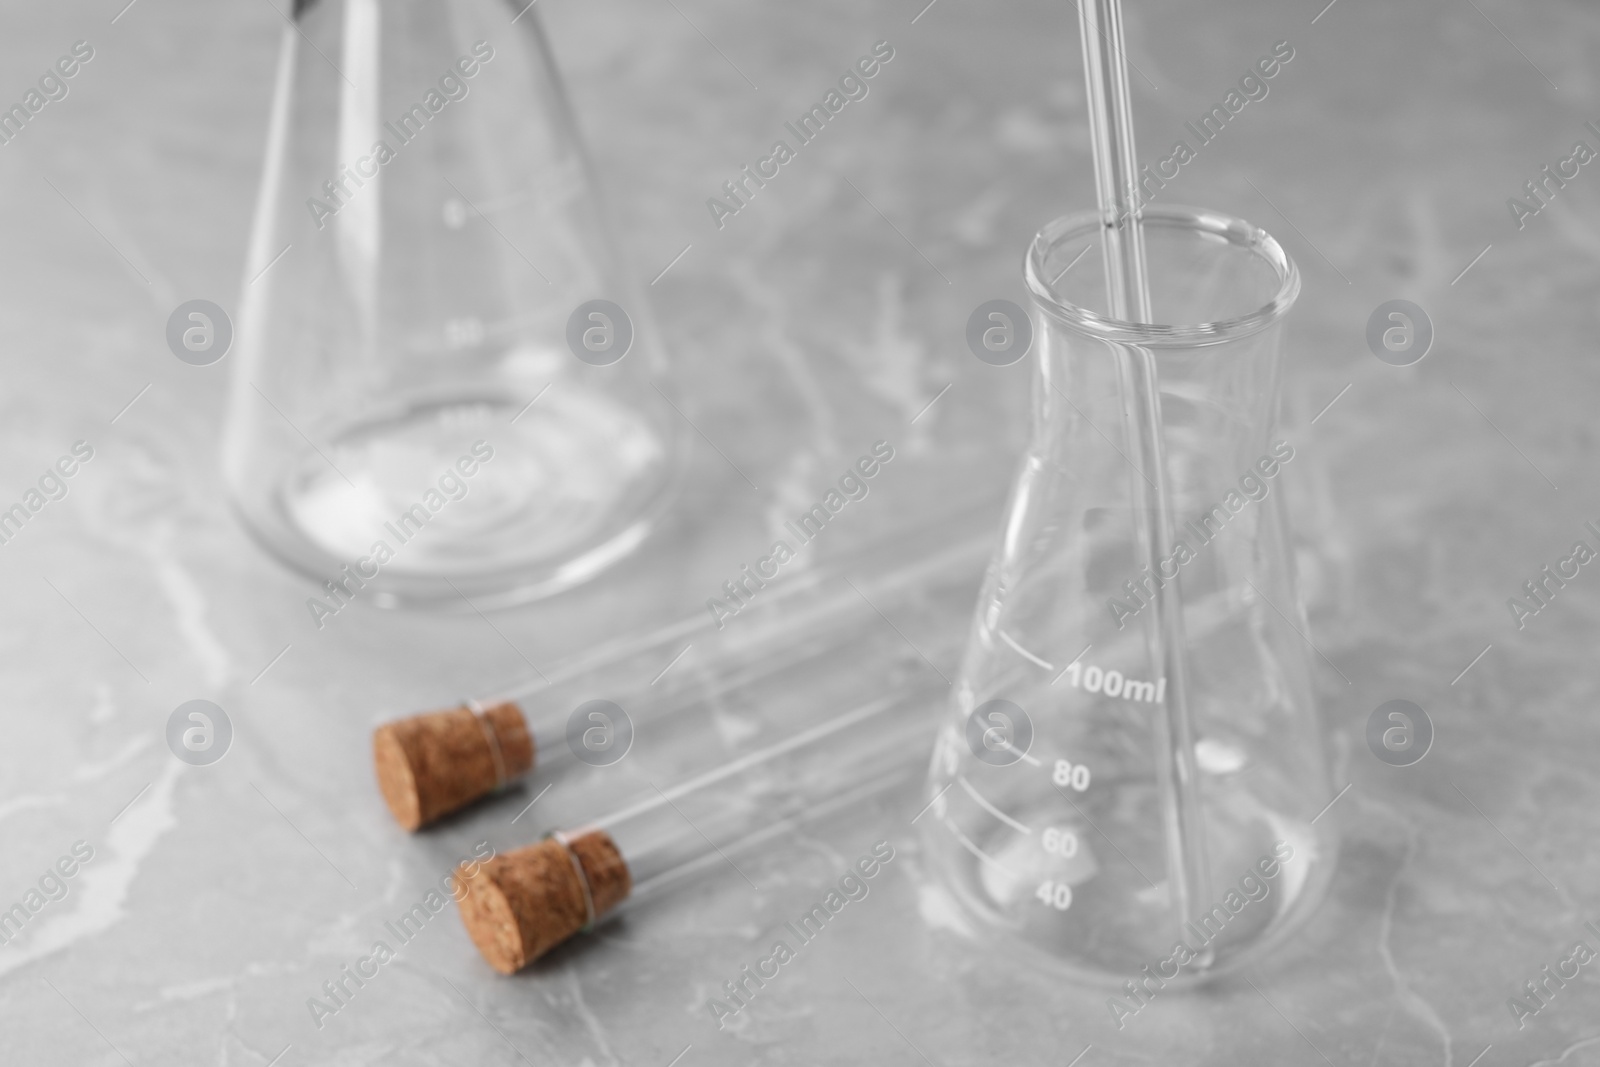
(1219,401)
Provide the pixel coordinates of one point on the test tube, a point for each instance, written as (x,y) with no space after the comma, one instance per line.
(519,905)
(431,764)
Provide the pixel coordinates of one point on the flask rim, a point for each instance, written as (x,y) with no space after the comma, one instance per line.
(1234,231)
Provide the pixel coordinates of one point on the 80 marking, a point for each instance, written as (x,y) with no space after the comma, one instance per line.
(1070,774)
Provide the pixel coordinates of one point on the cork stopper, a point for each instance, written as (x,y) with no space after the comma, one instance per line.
(520,905)
(429,765)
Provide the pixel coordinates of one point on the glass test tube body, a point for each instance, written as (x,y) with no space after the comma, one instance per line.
(793,622)
(671,836)
(870,703)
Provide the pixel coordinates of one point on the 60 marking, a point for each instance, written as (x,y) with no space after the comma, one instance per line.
(1063,843)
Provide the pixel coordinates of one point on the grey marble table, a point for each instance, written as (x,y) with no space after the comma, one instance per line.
(829,313)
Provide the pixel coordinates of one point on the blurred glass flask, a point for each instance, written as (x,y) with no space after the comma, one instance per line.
(446,385)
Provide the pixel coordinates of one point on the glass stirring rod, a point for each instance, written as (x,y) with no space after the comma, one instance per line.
(519,905)
(1105,69)
(431,764)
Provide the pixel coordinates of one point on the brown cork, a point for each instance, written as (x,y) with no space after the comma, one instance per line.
(520,905)
(429,765)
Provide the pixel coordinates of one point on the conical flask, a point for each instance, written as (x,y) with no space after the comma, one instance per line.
(1054,814)
(446,385)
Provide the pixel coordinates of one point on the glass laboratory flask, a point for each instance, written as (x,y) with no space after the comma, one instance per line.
(446,385)
(1071,813)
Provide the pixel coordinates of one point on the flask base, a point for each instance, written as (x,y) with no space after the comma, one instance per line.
(480,496)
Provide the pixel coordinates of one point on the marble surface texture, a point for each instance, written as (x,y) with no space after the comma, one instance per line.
(220,898)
